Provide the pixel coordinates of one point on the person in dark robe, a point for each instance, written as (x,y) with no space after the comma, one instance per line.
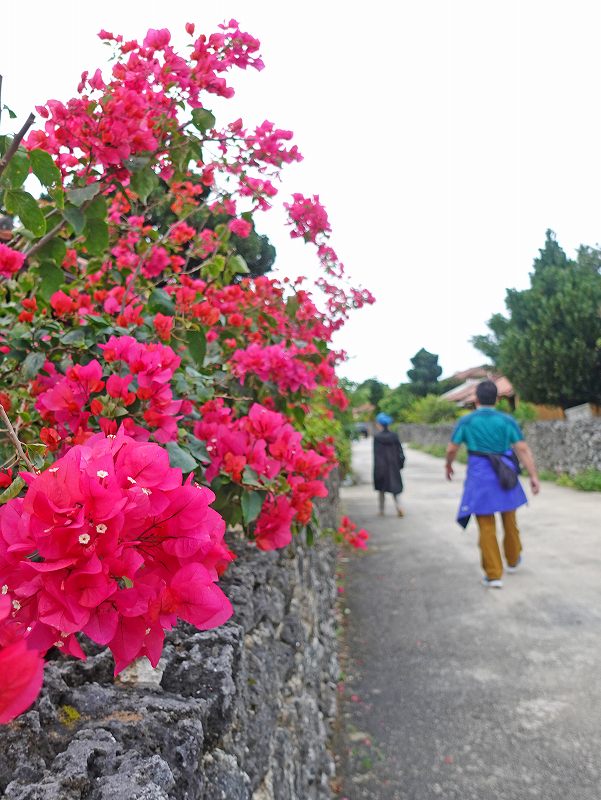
(389,460)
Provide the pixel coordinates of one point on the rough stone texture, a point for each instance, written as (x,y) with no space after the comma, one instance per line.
(413,433)
(559,446)
(568,447)
(242,712)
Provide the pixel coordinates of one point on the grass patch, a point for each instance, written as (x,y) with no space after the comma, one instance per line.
(587,481)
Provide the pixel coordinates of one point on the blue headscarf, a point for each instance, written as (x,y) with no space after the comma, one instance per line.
(383,419)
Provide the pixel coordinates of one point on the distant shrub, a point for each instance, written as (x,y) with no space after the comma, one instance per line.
(523,412)
(432,409)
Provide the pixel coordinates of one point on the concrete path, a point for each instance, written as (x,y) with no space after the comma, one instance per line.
(459,692)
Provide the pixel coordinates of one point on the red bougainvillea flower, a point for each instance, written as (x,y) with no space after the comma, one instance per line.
(11,261)
(5,478)
(273,525)
(350,534)
(240,227)
(21,669)
(109,542)
(163,325)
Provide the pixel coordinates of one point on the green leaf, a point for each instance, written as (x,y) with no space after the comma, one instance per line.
(292,304)
(32,365)
(9,111)
(143,182)
(54,250)
(79,196)
(238,265)
(74,337)
(180,458)
(203,119)
(75,218)
(96,232)
(26,208)
(310,535)
(213,267)
(299,415)
(51,279)
(159,301)
(98,208)
(252,503)
(17,170)
(44,168)
(198,449)
(57,193)
(197,345)
(12,491)
(250,477)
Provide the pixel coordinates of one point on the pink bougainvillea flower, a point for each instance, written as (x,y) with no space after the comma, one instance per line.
(11,261)
(22,673)
(21,668)
(116,538)
(273,525)
(240,227)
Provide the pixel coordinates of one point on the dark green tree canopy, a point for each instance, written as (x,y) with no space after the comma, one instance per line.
(490,344)
(373,390)
(549,345)
(425,373)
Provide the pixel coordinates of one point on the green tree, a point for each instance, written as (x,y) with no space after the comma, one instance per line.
(425,373)
(548,345)
(490,343)
(374,390)
(397,402)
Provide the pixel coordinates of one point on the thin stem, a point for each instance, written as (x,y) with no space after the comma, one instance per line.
(12,435)
(45,239)
(14,145)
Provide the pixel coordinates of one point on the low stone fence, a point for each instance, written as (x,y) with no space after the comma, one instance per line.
(241,713)
(570,447)
(558,446)
(427,435)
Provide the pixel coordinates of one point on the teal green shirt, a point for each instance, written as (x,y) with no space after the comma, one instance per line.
(487,430)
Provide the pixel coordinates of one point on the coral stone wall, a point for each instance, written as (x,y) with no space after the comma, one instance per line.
(240,713)
(558,445)
(570,447)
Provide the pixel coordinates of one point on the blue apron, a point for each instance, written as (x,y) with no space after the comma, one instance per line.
(482,492)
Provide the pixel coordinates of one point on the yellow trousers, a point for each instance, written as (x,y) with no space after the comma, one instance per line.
(489,546)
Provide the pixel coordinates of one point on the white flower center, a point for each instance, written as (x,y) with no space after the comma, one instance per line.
(84,538)
(102,473)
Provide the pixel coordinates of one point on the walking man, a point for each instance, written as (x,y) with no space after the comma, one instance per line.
(495,444)
(389,460)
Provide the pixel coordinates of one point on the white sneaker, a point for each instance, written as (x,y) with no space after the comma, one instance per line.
(494,583)
(515,566)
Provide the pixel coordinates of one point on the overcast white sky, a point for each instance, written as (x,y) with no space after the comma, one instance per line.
(443,136)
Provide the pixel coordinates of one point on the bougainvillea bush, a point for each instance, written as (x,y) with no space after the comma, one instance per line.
(153,388)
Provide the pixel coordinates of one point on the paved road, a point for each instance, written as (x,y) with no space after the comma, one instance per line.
(459,692)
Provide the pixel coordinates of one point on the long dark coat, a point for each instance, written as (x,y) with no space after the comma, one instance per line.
(389,460)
